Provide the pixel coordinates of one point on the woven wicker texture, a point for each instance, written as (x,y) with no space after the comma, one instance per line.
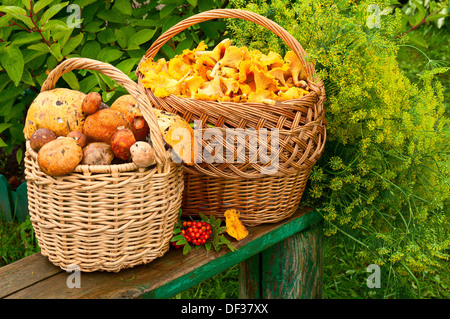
(105,217)
(211,187)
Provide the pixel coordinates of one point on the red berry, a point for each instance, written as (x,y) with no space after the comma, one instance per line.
(188,223)
(184,224)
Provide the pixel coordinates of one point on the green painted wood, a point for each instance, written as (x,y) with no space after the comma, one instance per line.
(250,278)
(293,268)
(21,202)
(172,273)
(6,200)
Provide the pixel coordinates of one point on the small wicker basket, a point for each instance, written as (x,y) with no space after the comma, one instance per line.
(212,188)
(105,217)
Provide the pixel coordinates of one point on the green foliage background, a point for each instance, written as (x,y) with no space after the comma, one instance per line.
(383,179)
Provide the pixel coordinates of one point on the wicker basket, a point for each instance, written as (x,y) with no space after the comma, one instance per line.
(261,197)
(105,217)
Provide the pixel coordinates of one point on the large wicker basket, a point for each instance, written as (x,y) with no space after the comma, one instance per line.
(105,217)
(261,197)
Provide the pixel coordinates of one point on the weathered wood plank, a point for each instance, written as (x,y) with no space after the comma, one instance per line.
(250,278)
(173,272)
(293,268)
(24,273)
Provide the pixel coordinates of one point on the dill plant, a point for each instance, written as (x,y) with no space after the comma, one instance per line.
(383,179)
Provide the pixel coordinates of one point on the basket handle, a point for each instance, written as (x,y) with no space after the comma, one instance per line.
(233,13)
(136,90)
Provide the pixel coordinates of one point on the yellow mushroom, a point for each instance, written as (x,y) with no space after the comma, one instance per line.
(264,81)
(218,52)
(296,68)
(230,85)
(178,68)
(245,71)
(192,84)
(291,94)
(231,73)
(262,96)
(272,60)
(232,57)
(278,73)
(212,88)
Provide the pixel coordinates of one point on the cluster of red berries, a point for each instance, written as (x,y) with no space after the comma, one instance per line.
(195,232)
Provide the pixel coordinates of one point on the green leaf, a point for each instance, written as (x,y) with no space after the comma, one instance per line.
(91,49)
(41,4)
(112,16)
(168,51)
(26,3)
(55,49)
(93,27)
(170,22)
(4,126)
(106,96)
(55,25)
(47,15)
(88,83)
(62,36)
(109,54)
(26,78)
(18,13)
(19,156)
(436,17)
(106,36)
(2,143)
(84,3)
(140,37)
(149,23)
(123,6)
(185,44)
(192,2)
(4,21)
(26,37)
(175,238)
(13,10)
(166,10)
(126,66)
(416,39)
(72,44)
(186,249)
(71,80)
(11,60)
(121,38)
(422,12)
(41,47)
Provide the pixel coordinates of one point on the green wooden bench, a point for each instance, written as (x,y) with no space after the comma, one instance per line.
(277,261)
